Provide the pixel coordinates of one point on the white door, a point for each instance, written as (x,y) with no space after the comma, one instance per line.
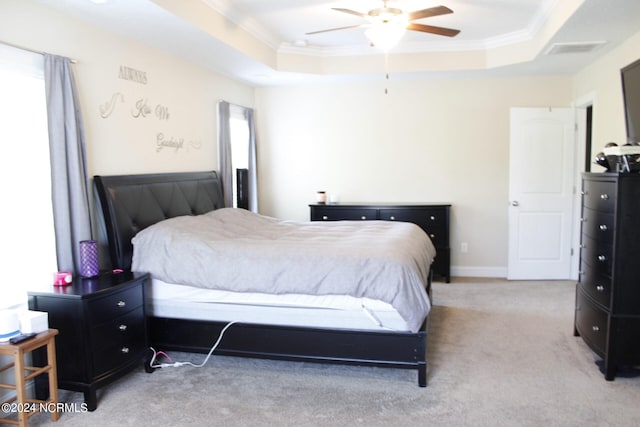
(541,191)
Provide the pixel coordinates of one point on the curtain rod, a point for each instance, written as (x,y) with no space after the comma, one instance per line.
(237,105)
(39,52)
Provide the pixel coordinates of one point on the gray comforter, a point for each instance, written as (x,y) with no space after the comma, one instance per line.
(237,250)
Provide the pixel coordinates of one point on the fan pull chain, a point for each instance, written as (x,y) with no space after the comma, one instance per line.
(386,71)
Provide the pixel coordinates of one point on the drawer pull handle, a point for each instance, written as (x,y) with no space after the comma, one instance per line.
(602,258)
(122,327)
(603,227)
(599,288)
(392,218)
(324,217)
(432,218)
(604,196)
(363,217)
(124,350)
(595,328)
(121,303)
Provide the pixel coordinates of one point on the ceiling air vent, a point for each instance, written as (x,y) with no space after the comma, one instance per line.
(577,47)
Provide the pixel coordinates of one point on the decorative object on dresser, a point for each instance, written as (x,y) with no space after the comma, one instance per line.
(607,313)
(102,328)
(433,218)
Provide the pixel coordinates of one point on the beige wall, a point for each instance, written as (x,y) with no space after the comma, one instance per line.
(601,82)
(120,142)
(426,141)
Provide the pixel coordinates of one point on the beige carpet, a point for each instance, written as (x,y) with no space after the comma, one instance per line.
(500,354)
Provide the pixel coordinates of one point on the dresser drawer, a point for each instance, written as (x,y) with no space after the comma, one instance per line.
(596,286)
(114,305)
(598,224)
(596,255)
(592,323)
(600,195)
(340,214)
(432,220)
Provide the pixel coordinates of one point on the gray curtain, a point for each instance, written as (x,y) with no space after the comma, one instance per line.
(253,163)
(224,152)
(71,214)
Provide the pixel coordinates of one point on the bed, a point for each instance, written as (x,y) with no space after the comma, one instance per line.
(367,325)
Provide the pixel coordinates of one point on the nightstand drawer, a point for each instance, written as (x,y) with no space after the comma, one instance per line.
(117,354)
(107,308)
(131,325)
(591,322)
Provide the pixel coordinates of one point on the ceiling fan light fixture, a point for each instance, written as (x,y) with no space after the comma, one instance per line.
(387,31)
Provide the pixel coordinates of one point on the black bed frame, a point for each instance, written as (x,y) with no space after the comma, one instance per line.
(132,202)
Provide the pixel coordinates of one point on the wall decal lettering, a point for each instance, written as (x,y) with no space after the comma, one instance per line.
(163,142)
(131,74)
(141,109)
(107,108)
(144,109)
(162,112)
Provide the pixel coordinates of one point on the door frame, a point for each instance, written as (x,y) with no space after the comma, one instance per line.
(580,107)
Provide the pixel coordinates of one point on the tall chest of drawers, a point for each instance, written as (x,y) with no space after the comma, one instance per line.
(432,218)
(607,314)
(102,330)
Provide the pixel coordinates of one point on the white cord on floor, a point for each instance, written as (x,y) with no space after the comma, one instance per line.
(153,364)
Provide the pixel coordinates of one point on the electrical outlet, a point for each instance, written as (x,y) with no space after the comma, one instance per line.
(464,247)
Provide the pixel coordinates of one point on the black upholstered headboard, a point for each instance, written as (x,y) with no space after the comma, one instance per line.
(131,203)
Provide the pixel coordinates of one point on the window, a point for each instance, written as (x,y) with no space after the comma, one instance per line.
(239,131)
(27,219)
(237,155)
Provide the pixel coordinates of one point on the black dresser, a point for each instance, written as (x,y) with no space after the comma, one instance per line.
(102,330)
(432,218)
(607,314)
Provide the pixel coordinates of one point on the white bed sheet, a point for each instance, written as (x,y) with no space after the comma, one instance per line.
(325,311)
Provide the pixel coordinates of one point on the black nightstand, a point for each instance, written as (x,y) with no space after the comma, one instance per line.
(102,327)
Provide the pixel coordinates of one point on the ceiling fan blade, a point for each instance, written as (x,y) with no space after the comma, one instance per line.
(432,11)
(333,29)
(349,11)
(441,31)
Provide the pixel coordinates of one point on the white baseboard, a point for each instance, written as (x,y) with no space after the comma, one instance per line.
(499,272)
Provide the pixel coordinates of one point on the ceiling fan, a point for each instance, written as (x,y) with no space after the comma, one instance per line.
(386,23)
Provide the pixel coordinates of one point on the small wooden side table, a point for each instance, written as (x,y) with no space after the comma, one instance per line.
(23,406)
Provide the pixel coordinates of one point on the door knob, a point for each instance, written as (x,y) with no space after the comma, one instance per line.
(515,203)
